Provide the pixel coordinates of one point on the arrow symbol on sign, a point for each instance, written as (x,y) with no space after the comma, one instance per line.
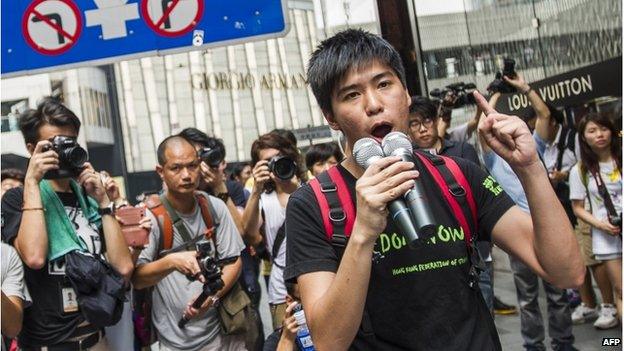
(52,18)
(112,16)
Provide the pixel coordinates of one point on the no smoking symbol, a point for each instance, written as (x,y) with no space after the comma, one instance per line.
(51,27)
(172,18)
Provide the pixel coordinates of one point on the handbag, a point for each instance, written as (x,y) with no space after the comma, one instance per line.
(234,311)
(100,290)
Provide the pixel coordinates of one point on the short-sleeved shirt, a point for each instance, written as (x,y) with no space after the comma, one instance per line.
(418,299)
(602,243)
(274,216)
(45,321)
(551,154)
(172,294)
(12,278)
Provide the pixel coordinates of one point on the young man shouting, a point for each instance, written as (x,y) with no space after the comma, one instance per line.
(353,301)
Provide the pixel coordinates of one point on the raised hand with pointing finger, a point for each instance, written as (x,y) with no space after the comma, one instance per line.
(506,135)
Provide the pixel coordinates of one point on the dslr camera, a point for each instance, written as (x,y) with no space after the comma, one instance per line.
(462,91)
(72,157)
(499,85)
(283,167)
(211,156)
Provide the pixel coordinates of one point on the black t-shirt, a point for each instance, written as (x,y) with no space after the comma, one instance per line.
(236,191)
(418,299)
(45,321)
(459,149)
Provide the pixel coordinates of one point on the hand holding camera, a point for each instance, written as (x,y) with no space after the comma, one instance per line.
(185,262)
(71,156)
(609,228)
(518,82)
(135,226)
(261,174)
(41,162)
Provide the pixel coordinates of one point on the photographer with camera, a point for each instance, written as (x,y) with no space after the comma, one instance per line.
(214,181)
(62,212)
(186,216)
(598,178)
(277,173)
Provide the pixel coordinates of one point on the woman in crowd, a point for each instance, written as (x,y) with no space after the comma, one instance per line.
(598,177)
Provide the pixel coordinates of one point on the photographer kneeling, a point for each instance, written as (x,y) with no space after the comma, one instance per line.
(184,217)
(61,216)
(277,174)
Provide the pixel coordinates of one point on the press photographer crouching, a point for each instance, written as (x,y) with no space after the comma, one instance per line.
(61,223)
(277,174)
(170,263)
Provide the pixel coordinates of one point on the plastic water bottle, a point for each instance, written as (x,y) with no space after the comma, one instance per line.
(304,340)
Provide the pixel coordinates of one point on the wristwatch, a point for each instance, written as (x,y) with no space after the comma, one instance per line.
(224,196)
(108,210)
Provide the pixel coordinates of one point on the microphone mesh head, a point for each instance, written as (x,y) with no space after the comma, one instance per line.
(366,151)
(395,141)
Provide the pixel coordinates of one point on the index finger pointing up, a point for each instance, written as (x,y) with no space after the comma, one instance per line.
(483,104)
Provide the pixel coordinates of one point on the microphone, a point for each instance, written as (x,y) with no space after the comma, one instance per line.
(366,151)
(398,144)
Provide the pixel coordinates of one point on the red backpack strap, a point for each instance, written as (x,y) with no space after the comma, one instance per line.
(337,209)
(204,206)
(451,192)
(165,225)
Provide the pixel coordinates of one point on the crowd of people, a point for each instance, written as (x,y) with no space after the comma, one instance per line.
(84,269)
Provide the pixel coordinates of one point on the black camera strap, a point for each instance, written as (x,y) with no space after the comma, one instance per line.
(604,193)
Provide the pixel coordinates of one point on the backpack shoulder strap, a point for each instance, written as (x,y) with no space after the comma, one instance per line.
(337,209)
(208,215)
(165,225)
(456,191)
(177,222)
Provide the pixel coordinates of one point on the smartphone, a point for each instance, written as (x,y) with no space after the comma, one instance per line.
(129,219)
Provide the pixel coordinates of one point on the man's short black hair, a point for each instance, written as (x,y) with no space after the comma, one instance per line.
(162,147)
(351,48)
(290,288)
(196,136)
(12,173)
(424,106)
(322,152)
(50,110)
(285,133)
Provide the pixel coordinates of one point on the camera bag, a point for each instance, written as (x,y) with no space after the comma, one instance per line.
(100,290)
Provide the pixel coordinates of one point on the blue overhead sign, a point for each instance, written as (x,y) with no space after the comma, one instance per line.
(42,35)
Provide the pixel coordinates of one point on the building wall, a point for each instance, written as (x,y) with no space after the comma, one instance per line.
(235,93)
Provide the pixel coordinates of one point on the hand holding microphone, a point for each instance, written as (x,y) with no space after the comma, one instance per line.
(392,182)
(384,179)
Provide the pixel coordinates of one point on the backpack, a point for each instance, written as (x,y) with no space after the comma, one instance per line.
(142,301)
(338,211)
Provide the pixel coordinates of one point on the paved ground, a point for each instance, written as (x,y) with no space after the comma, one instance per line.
(587,337)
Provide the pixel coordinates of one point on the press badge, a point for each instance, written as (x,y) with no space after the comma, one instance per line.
(70,303)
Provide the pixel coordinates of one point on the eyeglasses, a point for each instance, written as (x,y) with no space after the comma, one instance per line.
(417,124)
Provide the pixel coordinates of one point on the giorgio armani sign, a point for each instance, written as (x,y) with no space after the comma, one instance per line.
(571,88)
(246,80)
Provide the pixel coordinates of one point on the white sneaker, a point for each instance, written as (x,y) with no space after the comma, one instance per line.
(582,314)
(608,317)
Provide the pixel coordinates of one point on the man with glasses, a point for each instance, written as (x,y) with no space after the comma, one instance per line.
(423,127)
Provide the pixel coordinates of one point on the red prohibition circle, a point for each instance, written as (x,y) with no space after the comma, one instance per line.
(72,40)
(165,33)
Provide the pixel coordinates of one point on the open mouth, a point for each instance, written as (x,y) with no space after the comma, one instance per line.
(381,130)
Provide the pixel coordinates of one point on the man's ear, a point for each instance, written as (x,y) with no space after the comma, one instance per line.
(31,148)
(329,116)
(159,170)
(289,299)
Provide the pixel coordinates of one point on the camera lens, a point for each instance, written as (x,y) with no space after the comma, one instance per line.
(76,156)
(212,157)
(284,168)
